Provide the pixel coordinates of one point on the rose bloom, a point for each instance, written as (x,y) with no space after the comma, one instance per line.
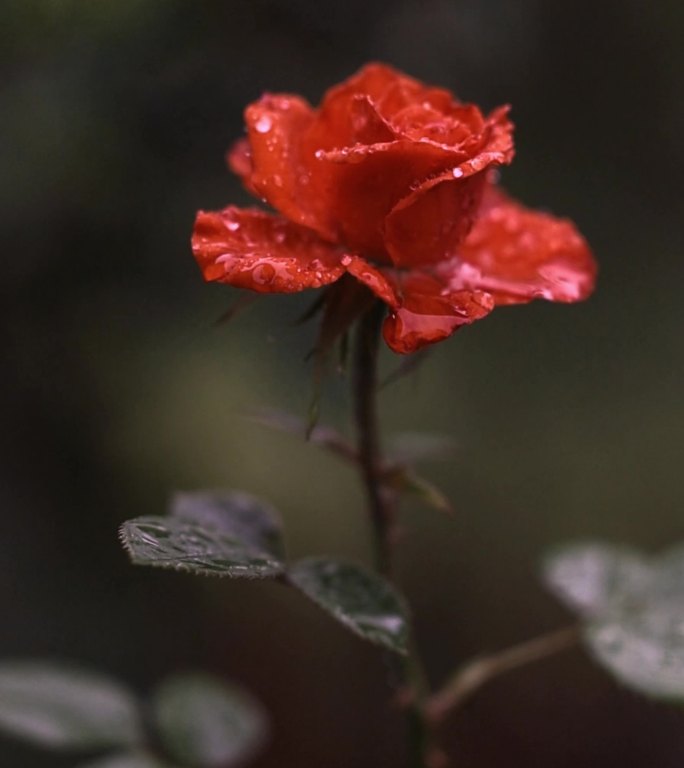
(393,183)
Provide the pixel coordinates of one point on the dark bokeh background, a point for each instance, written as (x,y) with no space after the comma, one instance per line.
(118,387)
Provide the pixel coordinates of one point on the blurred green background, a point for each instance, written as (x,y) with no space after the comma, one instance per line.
(118,387)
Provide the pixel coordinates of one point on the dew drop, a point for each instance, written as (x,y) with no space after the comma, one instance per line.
(263,274)
(359,122)
(263,124)
(497,214)
(457,173)
(233,226)
(346,260)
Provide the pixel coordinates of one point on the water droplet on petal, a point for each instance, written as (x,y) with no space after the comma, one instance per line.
(346,260)
(263,274)
(263,124)
(233,226)
(457,173)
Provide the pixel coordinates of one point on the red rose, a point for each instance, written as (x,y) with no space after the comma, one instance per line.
(390,181)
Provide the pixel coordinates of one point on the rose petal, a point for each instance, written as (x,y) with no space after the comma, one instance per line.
(421,122)
(500,134)
(346,120)
(372,278)
(252,249)
(239,159)
(281,164)
(373,81)
(428,312)
(423,310)
(429,224)
(365,183)
(391,90)
(518,254)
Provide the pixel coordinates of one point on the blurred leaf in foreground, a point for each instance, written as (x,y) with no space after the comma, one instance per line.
(590,576)
(633,612)
(204,723)
(66,708)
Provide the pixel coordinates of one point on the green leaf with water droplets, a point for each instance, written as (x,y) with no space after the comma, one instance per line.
(252,521)
(590,576)
(127,760)
(210,533)
(66,708)
(360,600)
(204,723)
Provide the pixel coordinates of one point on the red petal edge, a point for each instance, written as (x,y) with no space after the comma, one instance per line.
(422,310)
(239,159)
(429,312)
(252,249)
(518,254)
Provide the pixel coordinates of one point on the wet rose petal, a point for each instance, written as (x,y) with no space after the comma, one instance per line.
(281,165)
(372,277)
(392,91)
(372,82)
(518,254)
(252,249)
(366,182)
(239,159)
(429,312)
(427,226)
(346,120)
(385,195)
(422,309)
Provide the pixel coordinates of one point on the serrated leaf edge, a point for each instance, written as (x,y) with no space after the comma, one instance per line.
(176,564)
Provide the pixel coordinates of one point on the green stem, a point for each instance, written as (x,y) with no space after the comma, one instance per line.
(382,502)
